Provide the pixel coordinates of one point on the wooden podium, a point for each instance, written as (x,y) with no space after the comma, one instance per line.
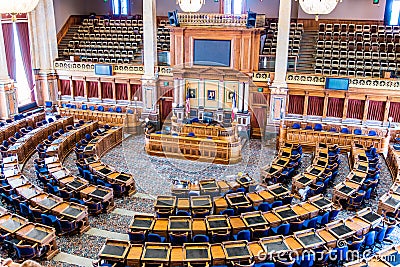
(197,142)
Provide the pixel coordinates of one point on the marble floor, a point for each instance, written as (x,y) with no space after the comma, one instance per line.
(154,176)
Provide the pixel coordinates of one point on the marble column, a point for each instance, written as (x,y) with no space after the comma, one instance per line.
(8,95)
(43,38)
(279,85)
(150,77)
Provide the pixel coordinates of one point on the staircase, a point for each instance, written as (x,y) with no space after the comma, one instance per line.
(65,40)
(306,59)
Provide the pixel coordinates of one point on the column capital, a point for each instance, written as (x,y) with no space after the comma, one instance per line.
(278,89)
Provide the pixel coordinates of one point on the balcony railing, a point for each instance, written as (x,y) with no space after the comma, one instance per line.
(118,68)
(212,19)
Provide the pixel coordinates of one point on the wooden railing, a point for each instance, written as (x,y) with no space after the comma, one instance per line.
(365,83)
(118,68)
(210,19)
(72,20)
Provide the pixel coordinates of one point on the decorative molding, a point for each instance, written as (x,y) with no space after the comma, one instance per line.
(118,68)
(261,76)
(365,83)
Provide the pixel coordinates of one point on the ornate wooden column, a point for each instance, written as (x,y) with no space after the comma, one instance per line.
(85,88)
(72,87)
(305,108)
(366,105)
(325,111)
(345,106)
(387,109)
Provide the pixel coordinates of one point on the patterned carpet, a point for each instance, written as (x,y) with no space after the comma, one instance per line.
(154,176)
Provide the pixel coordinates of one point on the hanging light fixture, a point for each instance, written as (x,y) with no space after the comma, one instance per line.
(190,6)
(318,7)
(15,7)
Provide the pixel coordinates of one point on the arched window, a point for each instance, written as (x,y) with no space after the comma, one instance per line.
(120,7)
(233,6)
(392,11)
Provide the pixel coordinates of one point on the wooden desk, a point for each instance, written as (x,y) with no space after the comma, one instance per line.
(274,245)
(236,250)
(73,183)
(45,201)
(255,199)
(218,254)
(165,202)
(309,239)
(197,253)
(217,223)
(369,216)
(9,223)
(28,191)
(285,213)
(199,226)
(160,227)
(99,193)
(200,202)
(237,224)
(156,253)
(330,240)
(180,224)
(237,199)
(390,256)
(134,255)
(389,203)
(220,204)
(75,212)
(344,190)
(320,202)
(114,251)
(254,219)
(142,223)
(358,225)
(266,196)
(278,191)
(340,230)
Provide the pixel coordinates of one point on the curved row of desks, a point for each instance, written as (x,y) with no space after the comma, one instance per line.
(390,202)
(20,231)
(316,171)
(355,179)
(234,251)
(169,204)
(76,187)
(41,201)
(249,220)
(9,129)
(90,160)
(310,138)
(281,161)
(388,257)
(26,145)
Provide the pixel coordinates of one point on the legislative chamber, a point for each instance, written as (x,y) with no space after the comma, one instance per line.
(199,133)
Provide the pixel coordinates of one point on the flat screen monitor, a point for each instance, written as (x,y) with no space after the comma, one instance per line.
(337,83)
(103,69)
(212,52)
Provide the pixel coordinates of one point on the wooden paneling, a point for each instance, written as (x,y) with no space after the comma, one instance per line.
(245,44)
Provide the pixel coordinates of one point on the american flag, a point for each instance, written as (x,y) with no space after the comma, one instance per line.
(187,99)
(233,105)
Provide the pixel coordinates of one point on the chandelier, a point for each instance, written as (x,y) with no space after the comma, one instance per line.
(318,7)
(190,6)
(15,7)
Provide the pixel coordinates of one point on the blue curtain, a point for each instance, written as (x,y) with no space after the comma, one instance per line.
(388,12)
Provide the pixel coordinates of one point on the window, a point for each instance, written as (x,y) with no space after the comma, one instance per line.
(394,17)
(120,7)
(233,6)
(24,93)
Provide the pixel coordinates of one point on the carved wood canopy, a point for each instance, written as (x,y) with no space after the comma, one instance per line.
(210,73)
